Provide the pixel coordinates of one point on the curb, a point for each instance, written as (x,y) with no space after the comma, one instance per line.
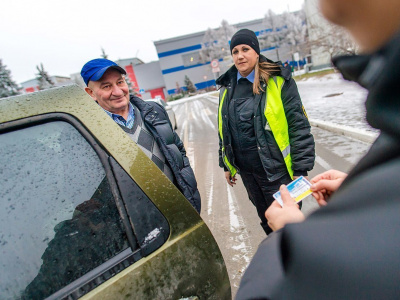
(359,134)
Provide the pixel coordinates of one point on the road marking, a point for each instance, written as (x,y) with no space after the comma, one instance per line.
(319,160)
(207,111)
(242,246)
(204,113)
(234,220)
(210,191)
(190,155)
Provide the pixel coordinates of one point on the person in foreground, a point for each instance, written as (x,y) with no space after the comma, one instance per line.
(348,249)
(146,123)
(264,133)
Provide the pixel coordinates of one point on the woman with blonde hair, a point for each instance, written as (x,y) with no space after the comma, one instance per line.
(264,132)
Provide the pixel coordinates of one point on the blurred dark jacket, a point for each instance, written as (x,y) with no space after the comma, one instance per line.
(348,249)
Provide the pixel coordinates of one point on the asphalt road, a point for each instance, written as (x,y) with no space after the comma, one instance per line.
(227,211)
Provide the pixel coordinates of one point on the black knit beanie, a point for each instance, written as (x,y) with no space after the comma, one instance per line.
(247,37)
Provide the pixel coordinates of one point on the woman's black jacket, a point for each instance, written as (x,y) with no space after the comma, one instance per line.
(302,146)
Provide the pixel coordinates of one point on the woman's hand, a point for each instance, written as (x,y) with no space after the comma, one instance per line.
(325,184)
(278,216)
(229,179)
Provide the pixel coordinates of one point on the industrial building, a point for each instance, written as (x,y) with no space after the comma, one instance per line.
(180,57)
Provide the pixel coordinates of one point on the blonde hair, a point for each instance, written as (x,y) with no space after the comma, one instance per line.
(263,71)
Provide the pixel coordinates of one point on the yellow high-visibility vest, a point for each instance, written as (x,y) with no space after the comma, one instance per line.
(276,119)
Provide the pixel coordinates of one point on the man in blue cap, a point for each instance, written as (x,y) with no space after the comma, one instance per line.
(147,124)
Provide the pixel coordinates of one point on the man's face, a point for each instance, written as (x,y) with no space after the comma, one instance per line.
(111,92)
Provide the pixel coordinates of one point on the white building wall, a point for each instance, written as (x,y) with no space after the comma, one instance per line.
(149,75)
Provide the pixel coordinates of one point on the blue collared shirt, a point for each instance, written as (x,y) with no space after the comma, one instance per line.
(120,119)
(250,77)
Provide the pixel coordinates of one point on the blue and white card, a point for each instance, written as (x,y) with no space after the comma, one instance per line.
(298,189)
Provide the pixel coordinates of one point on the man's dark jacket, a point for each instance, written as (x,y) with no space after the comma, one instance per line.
(157,122)
(302,147)
(350,248)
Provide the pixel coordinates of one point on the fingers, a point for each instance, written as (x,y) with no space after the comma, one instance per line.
(317,178)
(227,178)
(278,216)
(328,185)
(285,195)
(330,175)
(230,180)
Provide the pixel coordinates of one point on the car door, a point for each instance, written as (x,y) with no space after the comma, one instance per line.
(84,213)
(64,226)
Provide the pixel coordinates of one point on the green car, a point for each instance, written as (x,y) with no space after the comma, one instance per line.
(86,214)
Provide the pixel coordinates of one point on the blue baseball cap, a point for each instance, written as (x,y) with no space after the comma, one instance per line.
(94,69)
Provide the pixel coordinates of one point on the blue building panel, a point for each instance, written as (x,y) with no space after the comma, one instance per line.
(181,68)
(178,51)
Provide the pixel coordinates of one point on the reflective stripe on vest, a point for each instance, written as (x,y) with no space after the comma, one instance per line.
(231,168)
(276,118)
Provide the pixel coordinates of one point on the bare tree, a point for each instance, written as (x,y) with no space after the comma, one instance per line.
(43,78)
(332,39)
(215,43)
(326,38)
(208,47)
(274,35)
(295,31)
(225,33)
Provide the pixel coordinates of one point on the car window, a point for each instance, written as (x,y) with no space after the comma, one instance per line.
(58,218)
(150,226)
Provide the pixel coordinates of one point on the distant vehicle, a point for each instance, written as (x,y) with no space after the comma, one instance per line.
(84,212)
(169,110)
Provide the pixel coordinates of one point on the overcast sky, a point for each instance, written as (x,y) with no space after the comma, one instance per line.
(63,35)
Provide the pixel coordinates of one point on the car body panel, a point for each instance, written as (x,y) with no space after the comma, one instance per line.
(174,271)
(189,263)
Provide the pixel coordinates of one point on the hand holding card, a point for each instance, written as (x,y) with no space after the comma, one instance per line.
(298,189)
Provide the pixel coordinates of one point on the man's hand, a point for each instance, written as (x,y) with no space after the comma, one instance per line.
(229,179)
(325,184)
(278,216)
